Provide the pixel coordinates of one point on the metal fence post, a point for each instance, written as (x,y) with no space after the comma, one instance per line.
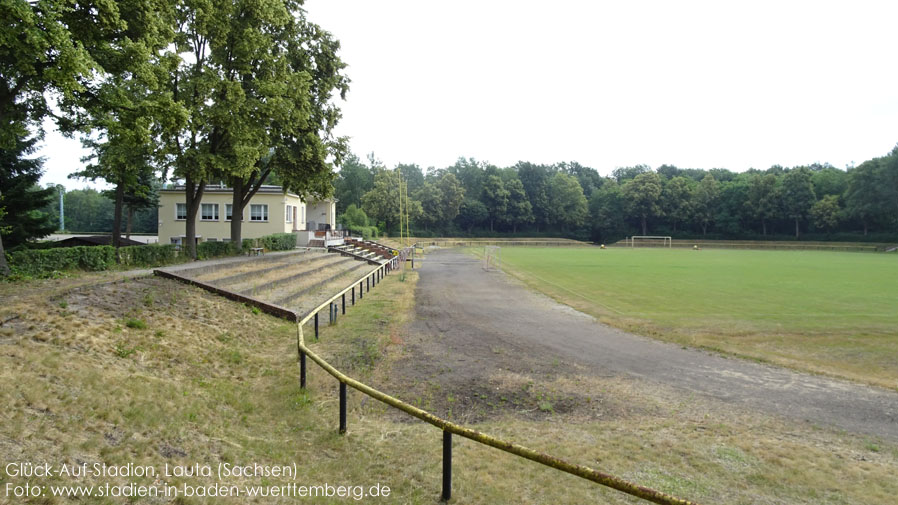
(447,466)
(344,303)
(302,369)
(316,326)
(368,283)
(353,295)
(342,407)
(361,290)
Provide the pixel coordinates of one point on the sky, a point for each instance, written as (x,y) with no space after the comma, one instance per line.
(608,84)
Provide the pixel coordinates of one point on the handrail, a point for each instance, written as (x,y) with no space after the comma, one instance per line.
(448,427)
(582,471)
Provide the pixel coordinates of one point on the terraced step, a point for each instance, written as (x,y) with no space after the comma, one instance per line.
(294,277)
(312,298)
(251,269)
(259,283)
(285,300)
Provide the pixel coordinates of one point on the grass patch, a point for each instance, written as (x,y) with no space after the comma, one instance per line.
(824,312)
(183,400)
(137,324)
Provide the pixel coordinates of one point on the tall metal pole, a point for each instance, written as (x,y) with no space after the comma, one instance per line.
(61,189)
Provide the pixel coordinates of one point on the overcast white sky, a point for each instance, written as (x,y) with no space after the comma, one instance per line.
(609,84)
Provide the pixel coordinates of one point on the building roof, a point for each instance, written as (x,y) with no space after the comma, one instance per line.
(217,188)
(92,240)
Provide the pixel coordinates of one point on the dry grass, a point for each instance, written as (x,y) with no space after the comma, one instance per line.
(207,381)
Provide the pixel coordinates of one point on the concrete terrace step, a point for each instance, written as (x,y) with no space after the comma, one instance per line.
(259,282)
(224,280)
(291,278)
(285,301)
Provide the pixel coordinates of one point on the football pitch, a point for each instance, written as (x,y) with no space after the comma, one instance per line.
(828,312)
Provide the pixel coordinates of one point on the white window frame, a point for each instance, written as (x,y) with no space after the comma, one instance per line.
(179,206)
(215,213)
(263,207)
(288,213)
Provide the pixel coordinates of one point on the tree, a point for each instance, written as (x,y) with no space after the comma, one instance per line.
(23,199)
(354,217)
(568,202)
(606,209)
(472,213)
(4,266)
(382,202)
(589,178)
(116,110)
(642,195)
(535,179)
(705,198)
(273,109)
(43,47)
(763,198)
(495,198)
(798,194)
(826,213)
(623,174)
(431,197)
(675,201)
(519,210)
(470,174)
(452,194)
(354,180)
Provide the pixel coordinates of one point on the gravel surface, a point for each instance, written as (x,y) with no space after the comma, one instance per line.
(470,323)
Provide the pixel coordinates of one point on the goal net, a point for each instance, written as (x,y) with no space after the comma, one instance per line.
(650,241)
(492,258)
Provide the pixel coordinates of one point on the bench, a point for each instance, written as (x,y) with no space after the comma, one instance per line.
(256,251)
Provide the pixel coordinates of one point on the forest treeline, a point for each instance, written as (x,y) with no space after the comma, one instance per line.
(569,199)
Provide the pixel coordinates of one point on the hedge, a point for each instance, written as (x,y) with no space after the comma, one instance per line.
(147,255)
(50,262)
(207,250)
(279,242)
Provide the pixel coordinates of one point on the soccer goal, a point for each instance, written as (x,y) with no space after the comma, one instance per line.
(492,259)
(650,241)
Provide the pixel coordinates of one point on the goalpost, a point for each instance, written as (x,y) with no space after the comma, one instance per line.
(651,241)
(492,259)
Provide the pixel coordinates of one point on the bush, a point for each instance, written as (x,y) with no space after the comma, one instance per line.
(207,250)
(147,255)
(367,232)
(279,242)
(50,262)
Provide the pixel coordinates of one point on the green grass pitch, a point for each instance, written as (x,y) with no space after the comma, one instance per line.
(830,312)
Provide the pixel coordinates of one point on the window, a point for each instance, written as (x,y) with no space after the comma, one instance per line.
(180,212)
(209,212)
(258,212)
(229,212)
(289,214)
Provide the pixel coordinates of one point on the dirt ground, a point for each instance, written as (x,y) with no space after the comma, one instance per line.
(482,346)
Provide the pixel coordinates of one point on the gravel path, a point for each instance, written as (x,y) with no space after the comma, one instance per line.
(473,312)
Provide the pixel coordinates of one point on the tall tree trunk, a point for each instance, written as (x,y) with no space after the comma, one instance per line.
(243,191)
(236,216)
(704,229)
(4,267)
(644,228)
(491,225)
(514,228)
(796,227)
(865,228)
(764,227)
(129,223)
(194,191)
(117,215)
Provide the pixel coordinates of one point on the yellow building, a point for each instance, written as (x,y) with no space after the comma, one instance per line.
(270,210)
